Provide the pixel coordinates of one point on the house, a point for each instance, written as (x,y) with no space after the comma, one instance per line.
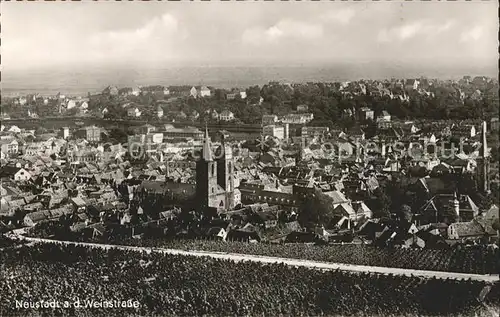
(159,112)
(470,230)
(193,92)
(301,237)
(214,114)
(302,108)
(414,241)
(65,132)
(463,131)
(204,92)
(243,235)
(183,133)
(448,208)
(356,133)
(146,129)
(98,229)
(33,149)
(127,91)
(232,96)
(36,217)
(169,214)
(384,120)
(79,204)
(14,173)
(494,124)
(384,116)
(411,84)
(33,207)
(459,165)
(14,129)
(491,214)
(367,113)
(110,90)
(310,132)
(269,119)
(276,131)
(9,146)
(268,218)
(428,138)
(90,133)
(217,233)
(84,105)
(134,112)
(361,210)
(23,100)
(427,162)
(194,115)
(236,94)
(70,104)
(226,115)
(297,118)
(476,95)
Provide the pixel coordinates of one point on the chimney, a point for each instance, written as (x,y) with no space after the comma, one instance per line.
(456,205)
(484,151)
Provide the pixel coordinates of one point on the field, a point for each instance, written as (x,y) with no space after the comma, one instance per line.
(194,286)
(477,260)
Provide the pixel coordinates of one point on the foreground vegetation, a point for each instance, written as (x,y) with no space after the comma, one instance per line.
(471,259)
(192,286)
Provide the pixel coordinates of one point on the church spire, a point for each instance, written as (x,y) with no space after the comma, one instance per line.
(207,146)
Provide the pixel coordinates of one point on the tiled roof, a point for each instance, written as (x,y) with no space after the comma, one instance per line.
(468,229)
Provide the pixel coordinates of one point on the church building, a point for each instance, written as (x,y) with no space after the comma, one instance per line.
(215,177)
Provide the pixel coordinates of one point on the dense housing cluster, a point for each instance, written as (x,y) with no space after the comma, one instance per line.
(317,165)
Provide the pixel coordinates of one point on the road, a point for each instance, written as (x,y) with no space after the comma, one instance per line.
(288,261)
(58,122)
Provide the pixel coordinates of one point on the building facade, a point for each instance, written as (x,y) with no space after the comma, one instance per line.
(276,131)
(209,194)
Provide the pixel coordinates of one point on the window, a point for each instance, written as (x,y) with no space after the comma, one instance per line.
(213,190)
(213,170)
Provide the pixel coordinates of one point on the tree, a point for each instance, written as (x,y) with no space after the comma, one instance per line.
(253,94)
(219,94)
(118,134)
(383,204)
(484,202)
(316,209)
(405,213)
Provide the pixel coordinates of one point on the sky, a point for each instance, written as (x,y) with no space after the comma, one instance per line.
(166,34)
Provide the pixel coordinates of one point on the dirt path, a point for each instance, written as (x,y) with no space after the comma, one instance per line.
(294,262)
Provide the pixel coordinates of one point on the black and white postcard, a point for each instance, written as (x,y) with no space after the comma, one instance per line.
(249,158)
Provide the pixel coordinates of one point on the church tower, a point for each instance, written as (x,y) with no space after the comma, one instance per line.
(225,172)
(299,156)
(206,176)
(483,164)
